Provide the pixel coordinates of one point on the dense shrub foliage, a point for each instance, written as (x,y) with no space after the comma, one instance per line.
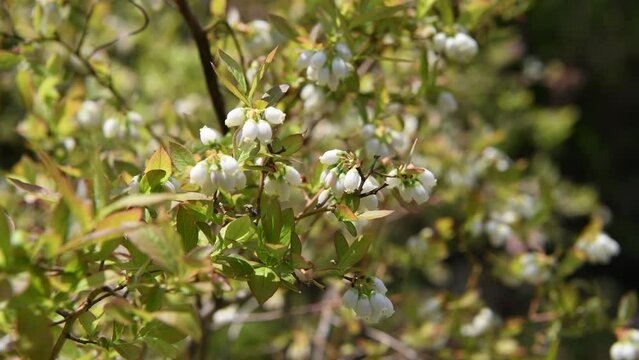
(325,179)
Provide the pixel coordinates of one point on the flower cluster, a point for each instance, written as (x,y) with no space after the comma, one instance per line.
(313,97)
(460,48)
(341,176)
(382,140)
(255,123)
(498,228)
(535,267)
(413,183)
(218,172)
(171,185)
(90,113)
(368,300)
(480,323)
(599,249)
(279,182)
(115,127)
(627,347)
(326,69)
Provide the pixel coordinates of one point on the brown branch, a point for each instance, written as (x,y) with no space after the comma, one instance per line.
(144,25)
(71,318)
(400,347)
(206,60)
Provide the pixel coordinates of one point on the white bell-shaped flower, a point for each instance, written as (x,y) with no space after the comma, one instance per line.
(292,176)
(209,136)
(235,117)
(134,118)
(624,350)
(264,131)
(323,76)
(304,59)
(381,307)
(343,51)
(331,157)
(318,60)
(352,179)
(89,113)
(274,115)
(249,131)
(339,67)
(350,298)
(112,128)
(199,173)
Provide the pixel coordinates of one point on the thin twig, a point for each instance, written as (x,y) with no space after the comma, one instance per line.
(233,37)
(81,341)
(314,212)
(143,27)
(393,343)
(85,28)
(206,60)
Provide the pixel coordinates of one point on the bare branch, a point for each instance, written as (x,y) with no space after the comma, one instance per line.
(132,33)
(206,60)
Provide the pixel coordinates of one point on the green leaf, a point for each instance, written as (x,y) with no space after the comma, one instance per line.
(236,266)
(185,322)
(260,74)
(235,69)
(128,350)
(292,144)
(355,252)
(288,227)
(181,156)
(275,94)
(160,160)
(263,284)
(88,322)
(377,14)
(161,246)
(446,12)
(350,227)
(271,220)
(283,27)
(186,224)
(8,59)
(148,200)
(35,339)
(423,6)
(232,88)
(627,307)
(152,180)
(6,254)
(109,228)
(240,230)
(217,8)
(80,210)
(343,212)
(24,83)
(28,187)
(341,246)
(374,214)
(101,186)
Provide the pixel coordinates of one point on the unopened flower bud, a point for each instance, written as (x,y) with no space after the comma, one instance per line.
(318,60)
(331,157)
(274,115)
(209,136)
(235,117)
